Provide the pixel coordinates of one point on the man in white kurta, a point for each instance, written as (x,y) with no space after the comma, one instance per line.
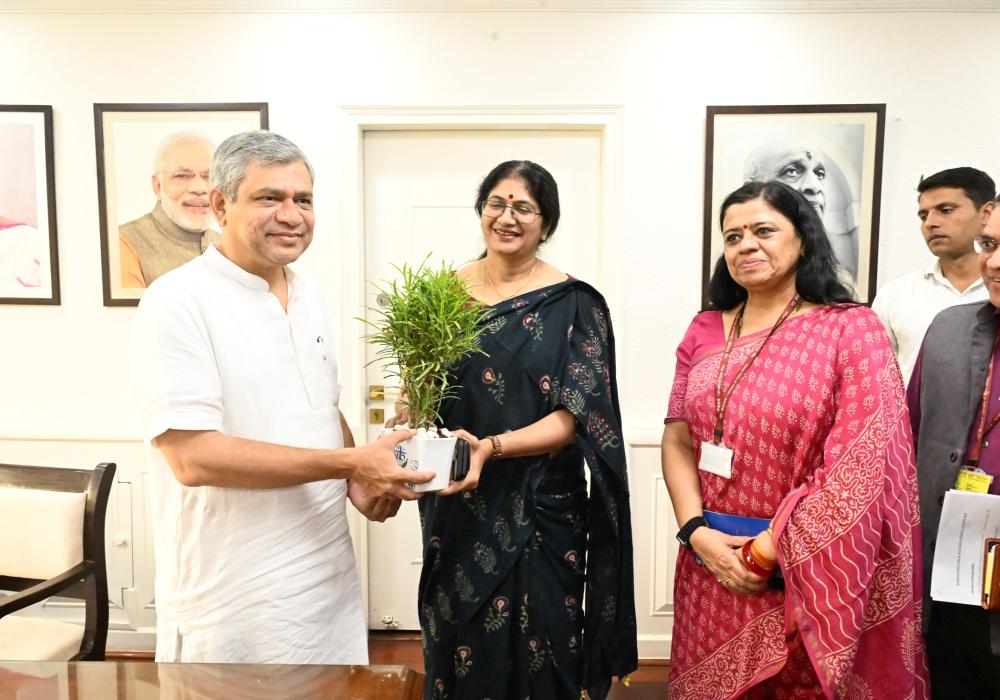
(953,207)
(253,556)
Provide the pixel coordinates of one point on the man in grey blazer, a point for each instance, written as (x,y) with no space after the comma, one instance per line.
(946,400)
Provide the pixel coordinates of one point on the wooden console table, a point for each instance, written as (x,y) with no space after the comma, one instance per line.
(137,680)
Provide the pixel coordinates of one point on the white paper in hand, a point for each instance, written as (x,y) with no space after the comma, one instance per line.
(967,519)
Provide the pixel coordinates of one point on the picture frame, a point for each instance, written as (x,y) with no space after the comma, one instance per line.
(29,253)
(152,186)
(832,153)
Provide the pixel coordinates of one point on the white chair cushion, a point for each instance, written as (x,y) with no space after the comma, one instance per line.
(34,639)
(41,532)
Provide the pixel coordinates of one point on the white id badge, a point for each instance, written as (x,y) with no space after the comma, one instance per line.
(716,459)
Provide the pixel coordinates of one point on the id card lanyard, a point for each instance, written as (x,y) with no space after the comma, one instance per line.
(970,476)
(716,458)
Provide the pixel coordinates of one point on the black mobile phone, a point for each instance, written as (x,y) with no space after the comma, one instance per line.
(460,460)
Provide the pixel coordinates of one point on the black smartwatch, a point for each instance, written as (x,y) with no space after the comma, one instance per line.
(684,534)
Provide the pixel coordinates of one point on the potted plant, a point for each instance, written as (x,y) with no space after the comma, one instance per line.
(424,323)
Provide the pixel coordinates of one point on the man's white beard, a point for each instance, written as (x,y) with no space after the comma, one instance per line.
(188,221)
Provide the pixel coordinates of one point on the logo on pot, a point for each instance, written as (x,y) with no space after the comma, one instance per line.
(400,453)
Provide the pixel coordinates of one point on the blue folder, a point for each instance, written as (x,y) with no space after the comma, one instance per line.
(736,524)
(744,526)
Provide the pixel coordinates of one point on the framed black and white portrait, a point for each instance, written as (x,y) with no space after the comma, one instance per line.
(29,257)
(153,165)
(832,154)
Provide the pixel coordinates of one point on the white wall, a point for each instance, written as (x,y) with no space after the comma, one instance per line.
(63,368)
(932,70)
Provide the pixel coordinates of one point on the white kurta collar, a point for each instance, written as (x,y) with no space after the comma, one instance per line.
(220,263)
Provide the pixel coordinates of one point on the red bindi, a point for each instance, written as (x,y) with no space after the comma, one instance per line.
(746,227)
(510,196)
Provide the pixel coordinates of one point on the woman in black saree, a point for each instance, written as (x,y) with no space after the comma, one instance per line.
(512,551)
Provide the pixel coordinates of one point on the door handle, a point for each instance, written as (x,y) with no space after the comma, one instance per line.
(376,392)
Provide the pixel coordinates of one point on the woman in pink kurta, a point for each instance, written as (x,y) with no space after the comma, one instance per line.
(817,435)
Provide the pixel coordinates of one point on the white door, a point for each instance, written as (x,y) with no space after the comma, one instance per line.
(419,192)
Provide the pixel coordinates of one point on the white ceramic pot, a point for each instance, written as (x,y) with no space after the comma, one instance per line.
(426,454)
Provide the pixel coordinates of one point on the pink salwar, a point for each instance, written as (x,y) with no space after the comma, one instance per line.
(822,446)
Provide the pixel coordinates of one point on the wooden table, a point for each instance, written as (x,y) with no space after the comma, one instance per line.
(137,680)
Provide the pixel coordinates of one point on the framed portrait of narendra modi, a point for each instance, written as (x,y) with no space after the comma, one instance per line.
(832,154)
(153,180)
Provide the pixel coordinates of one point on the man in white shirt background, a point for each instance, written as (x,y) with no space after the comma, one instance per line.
(953,207)
(252,461)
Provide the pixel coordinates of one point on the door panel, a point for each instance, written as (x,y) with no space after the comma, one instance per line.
(419,191)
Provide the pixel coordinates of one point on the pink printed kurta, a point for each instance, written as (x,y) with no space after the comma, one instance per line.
(822,445)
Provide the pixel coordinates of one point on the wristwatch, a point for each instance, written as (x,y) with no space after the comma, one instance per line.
(684,534)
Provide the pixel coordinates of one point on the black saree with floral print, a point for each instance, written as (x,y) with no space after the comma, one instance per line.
(507,565)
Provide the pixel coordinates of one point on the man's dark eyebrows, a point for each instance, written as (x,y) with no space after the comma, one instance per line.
(279,193)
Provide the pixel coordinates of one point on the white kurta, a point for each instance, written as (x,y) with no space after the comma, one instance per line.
(907,306)
(246,575)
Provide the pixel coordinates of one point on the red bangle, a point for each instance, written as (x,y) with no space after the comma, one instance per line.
(758,557)
(751,563)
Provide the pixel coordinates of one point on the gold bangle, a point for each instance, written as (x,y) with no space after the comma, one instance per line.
(497,447)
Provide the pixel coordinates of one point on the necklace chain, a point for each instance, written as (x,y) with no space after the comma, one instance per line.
(488,278)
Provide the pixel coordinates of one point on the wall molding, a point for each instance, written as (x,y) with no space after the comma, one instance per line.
(643,437)
(475,6)
(69,437)
(654,647)
(135,642)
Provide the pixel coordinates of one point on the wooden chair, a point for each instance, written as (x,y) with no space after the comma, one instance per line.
(52,543)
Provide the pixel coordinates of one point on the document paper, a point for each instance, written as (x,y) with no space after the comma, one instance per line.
(967,519)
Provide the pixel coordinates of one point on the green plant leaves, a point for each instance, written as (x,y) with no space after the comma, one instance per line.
(425,323)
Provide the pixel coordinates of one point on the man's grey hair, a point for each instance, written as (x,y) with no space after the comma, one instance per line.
(167,144)
(238,152)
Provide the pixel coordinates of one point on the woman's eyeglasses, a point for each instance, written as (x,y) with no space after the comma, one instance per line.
(523,213)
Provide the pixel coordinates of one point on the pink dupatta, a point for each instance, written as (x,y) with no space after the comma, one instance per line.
(822,445)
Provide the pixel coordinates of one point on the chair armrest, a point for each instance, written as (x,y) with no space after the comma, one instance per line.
(45,589)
